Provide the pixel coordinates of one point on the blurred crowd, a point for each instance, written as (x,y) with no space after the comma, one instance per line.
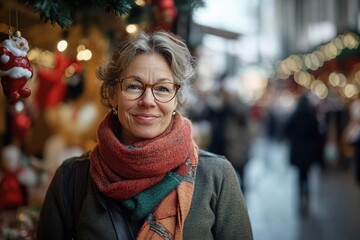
(322,132)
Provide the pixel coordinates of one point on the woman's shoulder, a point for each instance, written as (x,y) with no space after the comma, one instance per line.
(211,157)
(215,176)
(213,163)
(71,167)
(70,163)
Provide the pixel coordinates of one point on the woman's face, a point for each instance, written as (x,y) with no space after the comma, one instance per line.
(145,117)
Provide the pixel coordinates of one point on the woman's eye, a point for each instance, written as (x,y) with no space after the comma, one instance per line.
(162,88)
(134,86)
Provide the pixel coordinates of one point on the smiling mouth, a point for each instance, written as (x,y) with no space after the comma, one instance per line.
(145,118)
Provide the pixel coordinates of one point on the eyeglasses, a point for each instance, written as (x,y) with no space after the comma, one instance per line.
(133,89)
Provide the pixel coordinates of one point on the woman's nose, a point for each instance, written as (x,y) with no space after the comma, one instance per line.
(148,97)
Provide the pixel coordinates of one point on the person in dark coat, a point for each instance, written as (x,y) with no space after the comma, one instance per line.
(231,135)
(352,138)
(302,132)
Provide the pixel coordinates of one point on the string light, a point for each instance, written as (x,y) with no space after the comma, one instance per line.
(132,28)
(62,45)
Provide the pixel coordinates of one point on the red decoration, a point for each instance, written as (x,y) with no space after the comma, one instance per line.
(21,124)
(52,85)
(11,190)
(15,68)
(164,12)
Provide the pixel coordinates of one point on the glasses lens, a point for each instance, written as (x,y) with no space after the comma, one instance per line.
(134,89)
(164,92)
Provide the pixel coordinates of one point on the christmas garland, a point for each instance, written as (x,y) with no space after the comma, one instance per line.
(63,12)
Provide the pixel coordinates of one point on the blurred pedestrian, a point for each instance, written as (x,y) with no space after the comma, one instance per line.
(230,131)
(352,137)
(302,131)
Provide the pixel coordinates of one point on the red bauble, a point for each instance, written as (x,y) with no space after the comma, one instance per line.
(166,4)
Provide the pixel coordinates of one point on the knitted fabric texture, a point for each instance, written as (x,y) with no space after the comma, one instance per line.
(142,204)
(153,175)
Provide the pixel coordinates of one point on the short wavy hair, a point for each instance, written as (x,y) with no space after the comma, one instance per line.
(170,46)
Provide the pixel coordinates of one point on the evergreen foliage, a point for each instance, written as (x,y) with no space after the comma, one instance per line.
(63,12)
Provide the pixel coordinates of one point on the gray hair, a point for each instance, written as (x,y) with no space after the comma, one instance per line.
(170,46)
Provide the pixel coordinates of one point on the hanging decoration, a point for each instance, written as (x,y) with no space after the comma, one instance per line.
(12,192)
(164,13)
(21,121)
(52,85)
(15,67)
(160,14)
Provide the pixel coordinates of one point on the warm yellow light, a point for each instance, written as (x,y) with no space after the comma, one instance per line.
(84,55)
(87,54)
(80,48)
(350,90)
(321,91)
(62,45)
(140,3)
(131,28)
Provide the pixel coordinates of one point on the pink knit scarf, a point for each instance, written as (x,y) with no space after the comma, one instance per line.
(121,172)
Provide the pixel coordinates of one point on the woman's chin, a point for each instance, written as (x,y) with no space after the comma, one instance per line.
(144,135)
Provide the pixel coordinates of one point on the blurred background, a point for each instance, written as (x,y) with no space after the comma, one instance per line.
(276,92)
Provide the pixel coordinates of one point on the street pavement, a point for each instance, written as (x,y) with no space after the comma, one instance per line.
(271,195)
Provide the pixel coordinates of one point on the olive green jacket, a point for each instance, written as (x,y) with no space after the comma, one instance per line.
(218,210)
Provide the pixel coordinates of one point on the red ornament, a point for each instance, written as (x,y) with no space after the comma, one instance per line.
(166,4)
(15,68)
(164,13)
(21,124)
(11,190)
(52,85)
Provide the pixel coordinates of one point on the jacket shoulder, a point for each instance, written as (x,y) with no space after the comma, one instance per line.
(203,154)
(70,163)
(212,162)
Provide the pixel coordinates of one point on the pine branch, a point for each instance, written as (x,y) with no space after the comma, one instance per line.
(63,12)
(189,5)
(117,7)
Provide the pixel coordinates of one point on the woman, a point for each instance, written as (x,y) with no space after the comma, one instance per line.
(147,178)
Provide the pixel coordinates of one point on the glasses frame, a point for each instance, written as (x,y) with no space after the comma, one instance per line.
(151,86)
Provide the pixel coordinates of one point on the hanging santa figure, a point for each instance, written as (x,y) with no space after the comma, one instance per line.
(15,68)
